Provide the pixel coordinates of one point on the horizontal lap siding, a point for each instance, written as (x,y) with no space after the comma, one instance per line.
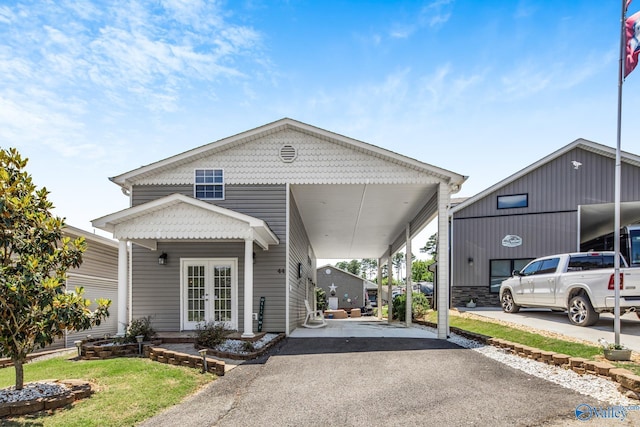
(156,289)
(300,289)
(96,288)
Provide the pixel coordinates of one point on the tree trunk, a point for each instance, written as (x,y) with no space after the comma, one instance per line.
(19,374)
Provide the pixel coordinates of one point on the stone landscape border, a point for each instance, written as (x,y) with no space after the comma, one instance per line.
(76,390)
(629,383)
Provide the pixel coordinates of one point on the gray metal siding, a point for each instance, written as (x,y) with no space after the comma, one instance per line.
(156,289)
(550,222)
(481,239)
(349,289)
(301,287)
(558,186)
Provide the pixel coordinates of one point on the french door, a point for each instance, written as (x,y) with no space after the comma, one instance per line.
(209,292)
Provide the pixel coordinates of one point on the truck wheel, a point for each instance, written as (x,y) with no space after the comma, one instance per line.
(508,306)
(581,312)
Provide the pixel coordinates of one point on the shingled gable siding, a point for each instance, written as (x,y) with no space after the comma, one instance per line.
(299,253)
(156,289)
(548,225)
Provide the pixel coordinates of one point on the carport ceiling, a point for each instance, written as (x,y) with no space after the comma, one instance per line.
(597,220)
(358,221)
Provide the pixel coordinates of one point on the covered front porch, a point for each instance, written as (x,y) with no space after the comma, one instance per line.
(199,261)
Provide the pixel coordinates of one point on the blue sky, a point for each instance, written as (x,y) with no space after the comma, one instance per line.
(89,90)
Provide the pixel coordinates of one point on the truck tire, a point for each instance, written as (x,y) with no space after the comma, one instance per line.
(581,312)
(508,306)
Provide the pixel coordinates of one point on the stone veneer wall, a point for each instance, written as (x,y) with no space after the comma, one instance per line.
(460,296)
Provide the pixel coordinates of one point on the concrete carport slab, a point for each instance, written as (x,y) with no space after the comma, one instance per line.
(363,328)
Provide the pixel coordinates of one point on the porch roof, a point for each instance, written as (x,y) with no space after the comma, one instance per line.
(180,217)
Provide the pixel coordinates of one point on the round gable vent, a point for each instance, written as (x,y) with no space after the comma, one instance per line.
(288,153)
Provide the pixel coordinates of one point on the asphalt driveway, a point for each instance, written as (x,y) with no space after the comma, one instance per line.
(375,381)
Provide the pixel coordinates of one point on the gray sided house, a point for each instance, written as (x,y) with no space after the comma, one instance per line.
(344,290)
(98,275)
(552,206)
(228,230)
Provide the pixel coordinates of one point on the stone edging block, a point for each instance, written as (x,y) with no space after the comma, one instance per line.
(77,389)
(625,378)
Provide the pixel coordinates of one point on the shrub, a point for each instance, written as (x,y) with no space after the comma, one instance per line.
(419,306)
(321,299)
(140,326)
(211,334)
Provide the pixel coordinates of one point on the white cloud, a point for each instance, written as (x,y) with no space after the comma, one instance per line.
(120,57)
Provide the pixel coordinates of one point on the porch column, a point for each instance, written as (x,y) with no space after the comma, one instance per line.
(443,261)
(407,258)
(248,289)
(122,287)
(379,297)
(390,286)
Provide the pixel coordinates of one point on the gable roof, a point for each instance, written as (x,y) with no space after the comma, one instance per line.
(126,179)
(584,144)
(339,270)
(178,216)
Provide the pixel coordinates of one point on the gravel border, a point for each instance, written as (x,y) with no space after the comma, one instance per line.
(589,385)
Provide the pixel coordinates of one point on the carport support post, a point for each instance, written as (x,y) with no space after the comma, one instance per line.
(390,286)
(379,296)
(407,279)
(122,287)
(443,261)
(248,289)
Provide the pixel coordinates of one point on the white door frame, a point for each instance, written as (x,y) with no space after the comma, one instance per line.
(209,264)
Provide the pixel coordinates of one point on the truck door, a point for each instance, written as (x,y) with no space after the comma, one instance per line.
(544,282)
(524,288)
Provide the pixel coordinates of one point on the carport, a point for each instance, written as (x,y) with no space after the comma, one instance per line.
(374,214)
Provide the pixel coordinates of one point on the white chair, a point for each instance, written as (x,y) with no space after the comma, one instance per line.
(313,317)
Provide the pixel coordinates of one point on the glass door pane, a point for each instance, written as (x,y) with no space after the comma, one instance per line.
(222,293)
(196,293)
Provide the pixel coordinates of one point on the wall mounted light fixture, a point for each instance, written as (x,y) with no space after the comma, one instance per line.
(162,259)
(470,260)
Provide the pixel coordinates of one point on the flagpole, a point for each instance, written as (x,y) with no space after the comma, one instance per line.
(616,215)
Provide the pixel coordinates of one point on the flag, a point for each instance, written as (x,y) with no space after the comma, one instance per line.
(632,43)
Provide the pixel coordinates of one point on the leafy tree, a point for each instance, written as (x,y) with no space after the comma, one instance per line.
(369,268)
(431,247)
(420,271)
(35,308)
(397,262)
(352,266)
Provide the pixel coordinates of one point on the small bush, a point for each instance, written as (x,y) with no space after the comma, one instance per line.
(419,306)
(248,347)
(141,326)
(211,334)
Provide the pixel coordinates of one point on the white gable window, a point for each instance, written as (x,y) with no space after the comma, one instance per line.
(209,184)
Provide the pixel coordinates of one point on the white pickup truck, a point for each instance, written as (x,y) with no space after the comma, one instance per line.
(580,283)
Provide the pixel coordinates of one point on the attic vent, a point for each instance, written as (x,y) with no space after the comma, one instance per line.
(288,153)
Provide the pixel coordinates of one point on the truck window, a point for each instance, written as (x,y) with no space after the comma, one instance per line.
(548,266)
(531,268)
(585,262)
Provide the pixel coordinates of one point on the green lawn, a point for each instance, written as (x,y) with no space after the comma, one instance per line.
(129,390)
(519,336)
